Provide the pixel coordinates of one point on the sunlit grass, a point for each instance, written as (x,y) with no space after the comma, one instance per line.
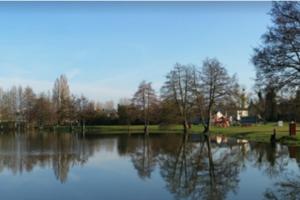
(259,132)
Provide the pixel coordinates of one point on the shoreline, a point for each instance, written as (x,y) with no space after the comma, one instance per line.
(257,133)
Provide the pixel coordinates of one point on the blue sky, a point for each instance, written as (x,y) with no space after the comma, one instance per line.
(107,48)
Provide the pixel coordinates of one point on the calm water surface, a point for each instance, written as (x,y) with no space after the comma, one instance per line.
(68,166)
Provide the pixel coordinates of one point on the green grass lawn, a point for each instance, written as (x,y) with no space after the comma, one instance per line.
(259,133)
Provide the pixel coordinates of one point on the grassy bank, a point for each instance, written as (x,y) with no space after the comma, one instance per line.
(260,133)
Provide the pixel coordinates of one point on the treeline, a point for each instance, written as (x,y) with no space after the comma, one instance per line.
(189,95)
(58,107)
(271,105)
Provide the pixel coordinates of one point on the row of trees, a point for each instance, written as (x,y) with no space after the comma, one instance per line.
(189,94)
(57,108)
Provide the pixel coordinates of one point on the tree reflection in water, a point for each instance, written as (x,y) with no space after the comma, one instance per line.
(204,168)
(288,184)
(143,158)
(23,152)
(271,159)
(198,171)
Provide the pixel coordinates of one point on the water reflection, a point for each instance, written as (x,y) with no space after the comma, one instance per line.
(201,171)
(189,166)
(144,157)
(287,188)
(272,160)
(23,152)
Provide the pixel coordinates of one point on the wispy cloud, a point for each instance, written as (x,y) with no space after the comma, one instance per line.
(72,73)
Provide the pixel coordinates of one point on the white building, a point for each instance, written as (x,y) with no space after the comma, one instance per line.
(243,111)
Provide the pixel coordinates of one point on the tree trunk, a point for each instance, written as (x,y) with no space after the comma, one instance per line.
(83,126)
(207,125)
(128,127)
(146,131)
(185,126)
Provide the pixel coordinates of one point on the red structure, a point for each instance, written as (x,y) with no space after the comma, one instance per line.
(221,122)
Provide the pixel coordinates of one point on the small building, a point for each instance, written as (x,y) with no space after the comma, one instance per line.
(242,113)
(243,110)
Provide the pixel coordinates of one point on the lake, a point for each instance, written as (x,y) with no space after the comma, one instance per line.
(70,166)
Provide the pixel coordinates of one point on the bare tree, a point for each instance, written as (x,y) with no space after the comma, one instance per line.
(28,102)
(179,88)
(43,110)
(13,102)
(61,99)
(144,98)
(9,104)
(215,84)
